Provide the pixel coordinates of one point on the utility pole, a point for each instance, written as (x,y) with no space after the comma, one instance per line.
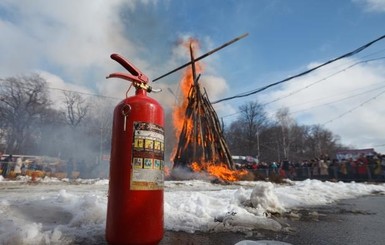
(101,145)
(258,151)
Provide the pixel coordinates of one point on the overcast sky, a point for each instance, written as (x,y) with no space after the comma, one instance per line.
(70,42)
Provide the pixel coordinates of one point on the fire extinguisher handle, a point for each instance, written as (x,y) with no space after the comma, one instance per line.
(124,76)
(136,74)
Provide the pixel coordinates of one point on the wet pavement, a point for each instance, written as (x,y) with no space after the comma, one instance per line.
(355,221)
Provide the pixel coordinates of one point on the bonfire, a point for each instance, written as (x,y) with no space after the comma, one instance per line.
(202,146)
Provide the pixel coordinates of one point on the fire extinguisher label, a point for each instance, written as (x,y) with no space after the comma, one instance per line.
(147,157)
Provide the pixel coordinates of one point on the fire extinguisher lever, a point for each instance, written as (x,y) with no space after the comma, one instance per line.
(138,79)
(135,76)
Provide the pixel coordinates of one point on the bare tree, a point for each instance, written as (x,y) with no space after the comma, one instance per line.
(298,147)
(322,141)
(99,127)
(76,108)
(23,101)
(51,127)
(245,131)
(286,124)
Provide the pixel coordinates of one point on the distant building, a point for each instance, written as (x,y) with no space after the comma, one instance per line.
(354,154)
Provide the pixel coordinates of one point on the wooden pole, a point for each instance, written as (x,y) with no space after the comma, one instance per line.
(202,56)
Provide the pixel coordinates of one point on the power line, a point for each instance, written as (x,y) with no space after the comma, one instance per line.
(354,108)
(336,101)
(68,90)
(232,114)
(339,100)
(84,93)
(323,79)
(318,81)
(302,73)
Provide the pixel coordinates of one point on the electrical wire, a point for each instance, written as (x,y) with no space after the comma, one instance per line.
(356,51)
(323,79)
(84,93)
(339,100)
(318,81)
(354,108)
(68,90)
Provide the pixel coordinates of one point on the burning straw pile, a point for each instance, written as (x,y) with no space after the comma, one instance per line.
(202,146)
(201,139)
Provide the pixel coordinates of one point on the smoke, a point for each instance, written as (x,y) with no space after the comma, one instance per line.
(182,173)
(87,145)
(72,41)
(69,44)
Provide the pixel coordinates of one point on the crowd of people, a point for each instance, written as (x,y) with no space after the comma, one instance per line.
(12,166)
(363,168)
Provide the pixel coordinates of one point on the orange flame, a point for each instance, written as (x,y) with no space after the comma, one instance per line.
(196,167)
(185,85)
(219,171)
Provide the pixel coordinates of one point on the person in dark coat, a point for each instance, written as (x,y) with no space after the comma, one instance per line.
(5,165)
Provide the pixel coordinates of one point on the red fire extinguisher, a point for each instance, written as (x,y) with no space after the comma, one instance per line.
(135,195)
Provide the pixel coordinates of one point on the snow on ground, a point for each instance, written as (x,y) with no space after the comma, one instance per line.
(56,211)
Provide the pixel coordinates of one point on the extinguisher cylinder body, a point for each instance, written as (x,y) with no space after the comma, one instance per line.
(135,197)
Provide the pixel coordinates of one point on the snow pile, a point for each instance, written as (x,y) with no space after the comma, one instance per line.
(264,198)
(47,214)
(315,192)
(67,212)
(226,209)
